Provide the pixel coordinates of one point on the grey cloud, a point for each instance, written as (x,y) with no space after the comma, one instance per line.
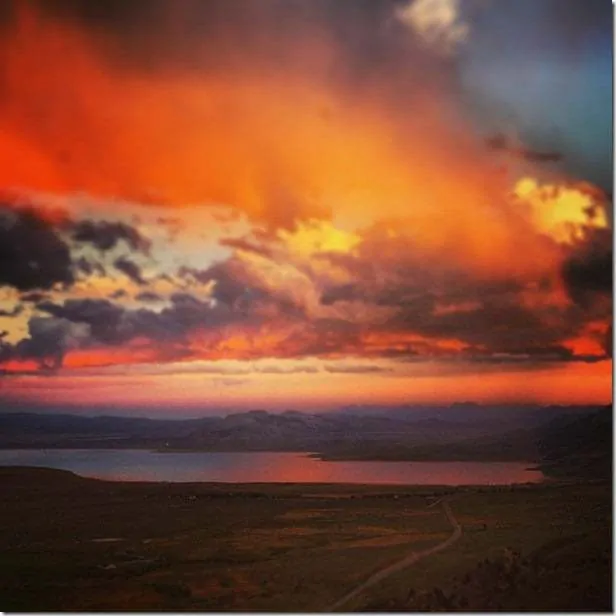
(33,297)
(104,318)
(106,235)
(356,369)
(148,296)
(88,267)
(49,339)
(32,253)
(130,269)
(587,272)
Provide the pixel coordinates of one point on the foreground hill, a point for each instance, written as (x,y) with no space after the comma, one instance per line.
(110,546)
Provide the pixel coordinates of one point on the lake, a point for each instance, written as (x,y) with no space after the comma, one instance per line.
(265,467)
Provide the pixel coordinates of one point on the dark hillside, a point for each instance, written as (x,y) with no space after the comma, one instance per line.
(578,446)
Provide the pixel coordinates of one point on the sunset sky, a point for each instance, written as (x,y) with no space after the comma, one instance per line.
(305,203)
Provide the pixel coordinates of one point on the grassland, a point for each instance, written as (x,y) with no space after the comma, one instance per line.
(68,543)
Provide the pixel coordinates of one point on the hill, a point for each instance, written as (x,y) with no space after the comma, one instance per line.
(566,440)
(580,447)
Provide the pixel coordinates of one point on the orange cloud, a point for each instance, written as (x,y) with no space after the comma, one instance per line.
(563,211)
(378,228)
(568,384)
(277,146)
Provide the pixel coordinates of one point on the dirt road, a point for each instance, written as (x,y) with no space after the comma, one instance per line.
(409,560)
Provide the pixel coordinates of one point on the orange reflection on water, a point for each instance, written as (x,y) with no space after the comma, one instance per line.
(267,467)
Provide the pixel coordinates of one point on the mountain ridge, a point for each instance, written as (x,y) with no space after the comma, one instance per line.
(504,433)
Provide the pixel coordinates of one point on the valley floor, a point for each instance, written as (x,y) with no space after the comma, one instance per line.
(74,544)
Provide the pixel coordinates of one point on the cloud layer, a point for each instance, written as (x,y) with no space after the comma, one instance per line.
(320,193)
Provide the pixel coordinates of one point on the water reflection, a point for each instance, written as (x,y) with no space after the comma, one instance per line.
(266,467)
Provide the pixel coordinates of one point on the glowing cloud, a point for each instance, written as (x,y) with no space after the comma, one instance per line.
(318,200)
(437,23)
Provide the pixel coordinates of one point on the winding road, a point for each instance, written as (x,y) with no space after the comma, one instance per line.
(409,560)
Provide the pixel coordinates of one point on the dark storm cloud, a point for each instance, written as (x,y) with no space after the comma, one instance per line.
(32,253)
(500,324)
(130,269)
(171,331)
(111,324)
(103,317)
(89,323)
(106,235)
(587,272)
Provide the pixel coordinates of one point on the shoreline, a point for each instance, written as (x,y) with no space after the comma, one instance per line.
(379,487)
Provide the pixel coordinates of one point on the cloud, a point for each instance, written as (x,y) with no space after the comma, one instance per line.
(89,267)
(608,341)
(14,312)
(103,318)
(35,253)
(437,23)
(130,269)
(500,142)
(249,286)
(33,297)
(443,324)
(301,119)
(118,293)
(105,235)
(436,308)
(393,302)
(110,325)
(32,253)
(355,369)
(293,369)
(587,271)
(376,293)
(368,230)
(229,382)
(148,296)
(49,340)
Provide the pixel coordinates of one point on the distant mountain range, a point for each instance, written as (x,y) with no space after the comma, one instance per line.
(458,432)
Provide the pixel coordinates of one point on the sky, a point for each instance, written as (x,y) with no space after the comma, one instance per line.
(305,203)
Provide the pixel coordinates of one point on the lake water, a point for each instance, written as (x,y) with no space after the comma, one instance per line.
(265,467)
